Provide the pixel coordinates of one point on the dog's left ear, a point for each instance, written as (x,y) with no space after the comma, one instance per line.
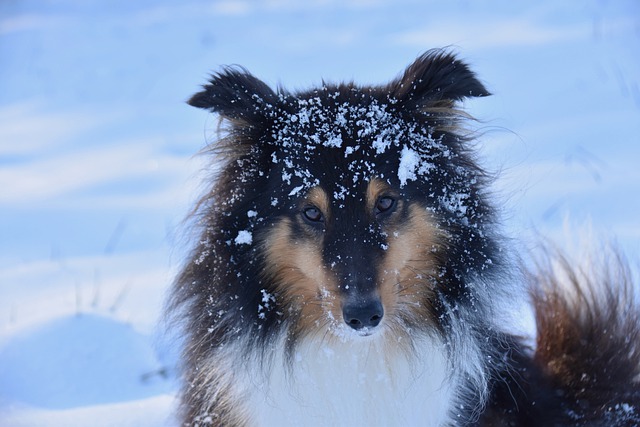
(436,79)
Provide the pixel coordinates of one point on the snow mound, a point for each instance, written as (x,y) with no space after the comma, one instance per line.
(78,361)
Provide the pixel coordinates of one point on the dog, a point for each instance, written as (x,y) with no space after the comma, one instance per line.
(350,270)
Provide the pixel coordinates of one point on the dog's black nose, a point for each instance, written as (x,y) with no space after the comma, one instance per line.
(363,313)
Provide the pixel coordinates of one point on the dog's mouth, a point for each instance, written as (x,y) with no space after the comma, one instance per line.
(345,333)
(366,331)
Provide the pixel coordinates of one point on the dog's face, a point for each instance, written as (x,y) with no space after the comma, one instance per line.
(353,245)
(355,198)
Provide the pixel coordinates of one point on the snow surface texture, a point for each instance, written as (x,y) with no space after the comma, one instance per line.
(96,164)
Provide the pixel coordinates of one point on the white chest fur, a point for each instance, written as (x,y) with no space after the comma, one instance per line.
(361,382)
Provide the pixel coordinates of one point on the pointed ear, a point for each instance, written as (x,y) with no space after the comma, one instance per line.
(236,94)
(436,78)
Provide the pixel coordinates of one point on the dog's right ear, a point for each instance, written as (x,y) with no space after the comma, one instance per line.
(236,94)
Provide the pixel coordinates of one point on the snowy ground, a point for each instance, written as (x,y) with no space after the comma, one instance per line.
(96,166)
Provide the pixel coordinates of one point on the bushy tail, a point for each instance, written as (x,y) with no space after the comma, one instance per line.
(585,369)
(588,338)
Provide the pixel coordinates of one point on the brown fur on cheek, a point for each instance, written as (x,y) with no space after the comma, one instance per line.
(306,289)
(408,268)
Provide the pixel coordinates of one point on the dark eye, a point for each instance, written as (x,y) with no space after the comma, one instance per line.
(385,204)
(312,214)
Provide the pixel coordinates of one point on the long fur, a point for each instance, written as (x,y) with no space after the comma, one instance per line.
(350,267)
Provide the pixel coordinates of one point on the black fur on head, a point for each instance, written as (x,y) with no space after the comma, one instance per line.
(270,134)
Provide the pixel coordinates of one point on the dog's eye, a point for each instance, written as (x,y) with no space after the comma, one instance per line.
(385,204)
(312,214)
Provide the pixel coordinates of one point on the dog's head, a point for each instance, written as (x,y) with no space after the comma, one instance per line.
(346,207)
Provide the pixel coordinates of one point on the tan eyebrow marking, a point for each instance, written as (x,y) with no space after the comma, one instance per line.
(318,197)
(375,188)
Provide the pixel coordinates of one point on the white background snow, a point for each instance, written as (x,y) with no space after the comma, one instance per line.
(97,168)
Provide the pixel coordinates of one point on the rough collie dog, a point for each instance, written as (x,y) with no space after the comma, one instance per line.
(350,271)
